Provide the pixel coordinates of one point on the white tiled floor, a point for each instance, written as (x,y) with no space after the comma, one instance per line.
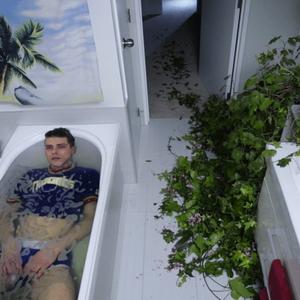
(142,274)
(165,72)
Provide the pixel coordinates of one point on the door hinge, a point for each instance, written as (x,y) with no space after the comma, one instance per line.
(129,15)
(239,4)
(139,112)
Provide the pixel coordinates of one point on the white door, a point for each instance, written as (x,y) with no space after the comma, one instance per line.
(233,32)
(219,20)
(261,21)
(129,29)
(135,32)
(132,61)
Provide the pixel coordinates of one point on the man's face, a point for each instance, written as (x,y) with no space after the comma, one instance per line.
(58,152)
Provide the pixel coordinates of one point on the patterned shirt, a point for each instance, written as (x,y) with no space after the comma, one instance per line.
(58,195)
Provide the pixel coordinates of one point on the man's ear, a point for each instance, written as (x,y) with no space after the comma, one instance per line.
(74,149)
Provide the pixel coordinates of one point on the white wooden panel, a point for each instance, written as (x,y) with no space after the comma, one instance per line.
(217,29)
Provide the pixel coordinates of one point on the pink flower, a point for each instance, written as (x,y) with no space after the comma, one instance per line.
(195,219)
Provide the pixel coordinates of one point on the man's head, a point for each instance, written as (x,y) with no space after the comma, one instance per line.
(59,148)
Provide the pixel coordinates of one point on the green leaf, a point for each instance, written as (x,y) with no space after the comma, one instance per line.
(246,189)
(182,242)
(250,224)
(258,124)
(168,235)
(201,243)
(182,162)
(213,268)
(215,237)
(250,83)
(237,154)
(268,153)
(193,174)
(170,206)
(284,161)
(265,104)
(190,203)
(274,39)
(275,144)
(235,295)
(239,289)
(292,41)
(194,249)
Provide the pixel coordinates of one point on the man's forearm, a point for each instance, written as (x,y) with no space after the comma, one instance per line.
(77,232)
(7,229)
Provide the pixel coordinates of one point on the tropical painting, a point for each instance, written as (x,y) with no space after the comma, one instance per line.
(47,53)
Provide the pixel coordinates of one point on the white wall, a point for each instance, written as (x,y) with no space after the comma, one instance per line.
(267,18)
(107,52)
(263,19)
(151,7)
(217,21)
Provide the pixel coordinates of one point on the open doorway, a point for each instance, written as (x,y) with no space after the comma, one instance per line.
(171,34)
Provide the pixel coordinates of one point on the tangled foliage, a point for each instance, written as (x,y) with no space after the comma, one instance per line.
(213,192)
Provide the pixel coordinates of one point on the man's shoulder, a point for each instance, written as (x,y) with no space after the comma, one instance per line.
(85,169)
(38,171)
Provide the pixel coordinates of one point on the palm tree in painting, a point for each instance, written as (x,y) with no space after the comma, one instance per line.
(17,52)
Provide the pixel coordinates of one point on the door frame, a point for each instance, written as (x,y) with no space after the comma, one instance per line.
(241,45)
(139,64)
(135,7)
(237,47)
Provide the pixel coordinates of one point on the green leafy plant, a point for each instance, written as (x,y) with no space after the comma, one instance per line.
(213,192)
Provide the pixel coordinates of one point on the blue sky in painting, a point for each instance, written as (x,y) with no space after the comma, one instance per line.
(68,42)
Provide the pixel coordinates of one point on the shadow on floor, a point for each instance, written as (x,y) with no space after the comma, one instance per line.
(148,17)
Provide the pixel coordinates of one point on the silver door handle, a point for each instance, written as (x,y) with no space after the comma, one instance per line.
(127,43)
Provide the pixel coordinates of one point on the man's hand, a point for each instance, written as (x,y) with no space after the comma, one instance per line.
(10,262)
(39,262)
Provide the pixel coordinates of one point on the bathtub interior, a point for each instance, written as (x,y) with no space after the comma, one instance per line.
(87,155)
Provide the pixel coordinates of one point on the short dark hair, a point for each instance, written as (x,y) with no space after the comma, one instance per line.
(61,132)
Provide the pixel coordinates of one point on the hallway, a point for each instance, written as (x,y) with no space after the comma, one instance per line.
(172,49)
(141,273)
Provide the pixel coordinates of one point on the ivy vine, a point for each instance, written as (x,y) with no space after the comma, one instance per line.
(213,192)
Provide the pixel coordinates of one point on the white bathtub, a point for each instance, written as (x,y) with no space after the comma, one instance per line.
(97,147)
(278,227)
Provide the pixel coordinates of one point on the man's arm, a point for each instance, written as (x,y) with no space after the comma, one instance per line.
(6,229)
(10,261)
(78,231)
(45,257)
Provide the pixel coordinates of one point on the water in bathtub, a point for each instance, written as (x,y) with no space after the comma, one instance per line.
(33,234)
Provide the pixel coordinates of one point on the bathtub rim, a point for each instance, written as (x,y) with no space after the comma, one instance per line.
(287,179)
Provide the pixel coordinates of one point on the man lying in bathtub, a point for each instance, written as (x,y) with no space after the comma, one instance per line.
(55,207)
